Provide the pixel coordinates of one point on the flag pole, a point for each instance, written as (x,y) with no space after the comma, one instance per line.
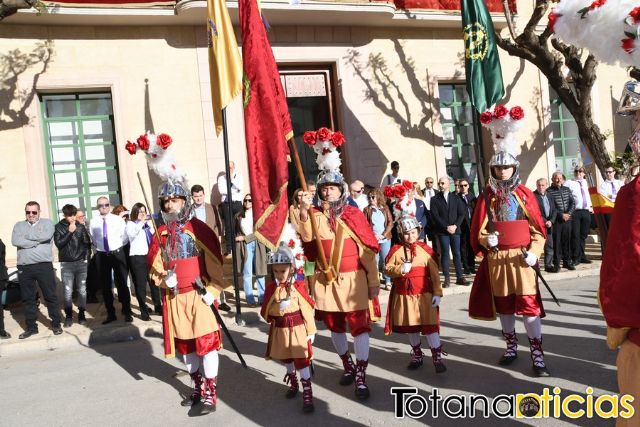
(230,221)
(324,266)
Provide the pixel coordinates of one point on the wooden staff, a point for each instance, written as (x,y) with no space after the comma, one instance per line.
(324,265)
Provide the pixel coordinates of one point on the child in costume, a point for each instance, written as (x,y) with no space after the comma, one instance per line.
(288,308)
(415,295)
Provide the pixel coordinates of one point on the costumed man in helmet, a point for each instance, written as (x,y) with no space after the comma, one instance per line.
(619,292)
(343,288)
(415,294)
(508,228)
(288,308)
(186,255)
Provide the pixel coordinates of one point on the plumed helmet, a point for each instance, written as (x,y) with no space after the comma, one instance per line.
(408,223)
(630,99)
(504,158)
(169,190)
(172,189)
(282,255)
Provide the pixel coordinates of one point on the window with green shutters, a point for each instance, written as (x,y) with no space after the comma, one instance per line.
(80,150)
(565,135)
(460,133)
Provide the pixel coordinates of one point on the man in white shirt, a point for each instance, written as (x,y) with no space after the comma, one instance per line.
(109,236)
(357,194)
(610,186)
(234,200)
(393,177)
(581,217)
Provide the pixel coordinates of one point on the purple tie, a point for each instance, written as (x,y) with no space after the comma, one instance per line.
(105,236)
(613,190)
(147,231)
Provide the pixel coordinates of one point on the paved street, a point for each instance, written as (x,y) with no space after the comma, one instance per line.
(130,383)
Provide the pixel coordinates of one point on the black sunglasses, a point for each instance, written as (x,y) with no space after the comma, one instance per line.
(104,205)
(31,212)
(248,200)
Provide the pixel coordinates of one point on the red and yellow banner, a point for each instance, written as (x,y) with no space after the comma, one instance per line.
(267,127)
(601,204)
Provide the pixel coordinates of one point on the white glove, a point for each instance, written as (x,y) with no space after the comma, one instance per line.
(531,259)
(492,240)
(171,280)
(406,267)
(311,338)
(208,298)
(435,301)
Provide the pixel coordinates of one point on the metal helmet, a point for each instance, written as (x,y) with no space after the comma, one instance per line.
(407,223)
(332,177)
(630,99)
(169,190)
(282,255)
(504,158)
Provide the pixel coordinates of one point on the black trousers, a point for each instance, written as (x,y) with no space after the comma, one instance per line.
(561,242)
(140,276)
(30,277)
(223,208)
(115,261)
(3,286)
(581,220)
(466,251)
(548,248)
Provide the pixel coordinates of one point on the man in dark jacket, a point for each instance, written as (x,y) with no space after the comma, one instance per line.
(4,278)
(469,200)
(547,205)
(447,213)
(73,243)
(565,205)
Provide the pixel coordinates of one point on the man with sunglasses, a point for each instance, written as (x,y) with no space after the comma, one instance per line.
(108,233)
(466,251)
(33,238)
(610,188)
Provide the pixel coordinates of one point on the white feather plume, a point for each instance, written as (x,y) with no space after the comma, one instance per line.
(161,160)
(290,235)
(601,29)
(328,158)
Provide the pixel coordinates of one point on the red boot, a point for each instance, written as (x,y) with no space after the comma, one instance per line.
(307,396)
(291,379)
(196,394)
(349,369)
(436,355)
(209,395)
(537,357)
(362,391)
(416,358)
(511,353)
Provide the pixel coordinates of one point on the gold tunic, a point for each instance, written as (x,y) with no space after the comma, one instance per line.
(350,291)
(414,310)
(508,272)
(289,342)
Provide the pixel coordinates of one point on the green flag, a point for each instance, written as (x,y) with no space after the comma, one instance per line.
(484,76)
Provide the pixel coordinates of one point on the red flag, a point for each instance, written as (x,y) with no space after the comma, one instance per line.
(267,127)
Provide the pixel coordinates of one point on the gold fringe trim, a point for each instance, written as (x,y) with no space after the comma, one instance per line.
(260,222)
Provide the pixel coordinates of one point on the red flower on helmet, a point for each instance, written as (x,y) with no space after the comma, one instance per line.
(486,117)
(337,139)
(553,18)
(131,147)
(143,142)
(399,191)
(323,134)
(292,243)
(407,184)
(388,191)
(629,45)
(516,113)
(500,111)
(635,15)
(309,137)
(164,140)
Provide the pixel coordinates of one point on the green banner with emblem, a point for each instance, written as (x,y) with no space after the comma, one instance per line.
(484,75)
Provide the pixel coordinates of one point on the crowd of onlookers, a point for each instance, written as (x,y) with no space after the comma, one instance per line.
(111,250)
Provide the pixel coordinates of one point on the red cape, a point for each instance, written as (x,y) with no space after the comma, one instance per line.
(271,288)
(619,289)
(203,234)
(481,304)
